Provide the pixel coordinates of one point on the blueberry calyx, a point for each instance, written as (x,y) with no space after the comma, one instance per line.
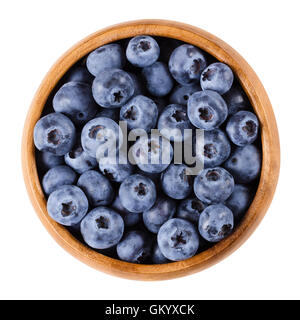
(130,113)
(196,205)
(178,239)
(207,75)
(75,153)
(209,151)
(196,66)
(102,222)
(141,189)
(205,114)
(54,137)
(250,128)
(94,130)
(179,116)
(212,175)
(117,96)
(145,45)
(67,208)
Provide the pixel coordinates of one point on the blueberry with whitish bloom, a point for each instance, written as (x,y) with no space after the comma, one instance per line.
(56,177)
(217,77)
(190,209)
(96,187)
(75,100)
(178,239)
(158,79)
(213,185)
(181,94)
(236,99)
(102,228)
(216,148)
(215,222)
(157,256)
(79,74)
(152,154)
(142,51)
(186,64)
(112,88)
(163,210)
(67,205)
(242,128)
(79,160)
(54,133)
(174,122)
(47,160)
(109,56)
(130,218)
(134,247)
(244,163)
(239,201)
(207,110)
(140,112)
(137,193)
(100,134)
(116,169)
(176,182)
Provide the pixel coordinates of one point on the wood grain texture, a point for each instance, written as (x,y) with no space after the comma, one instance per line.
(269,138)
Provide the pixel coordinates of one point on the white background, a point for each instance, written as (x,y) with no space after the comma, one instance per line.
(34,34)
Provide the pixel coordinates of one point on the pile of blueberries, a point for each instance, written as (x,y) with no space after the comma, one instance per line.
(156,212)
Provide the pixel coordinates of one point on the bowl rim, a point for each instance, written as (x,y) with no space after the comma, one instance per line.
(269,138)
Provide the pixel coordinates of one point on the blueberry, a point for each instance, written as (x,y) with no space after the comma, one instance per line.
(157,256)
(109,56)
(96,187)
(75,100)
(137,84)
(116,169)
(130,218)
(186,64)
(158,79)
(213,185)
(242,128)
(48,160)
(137,193)
(173,121)
(239,201)
(80,160)
(99,134)
(102,228)
(56,177)
(163,210)
(215,223)
(109,113)
(178,239)
(79,74)
(135,247)
(54,133)
(217,77)
(181,94)
(112,88)
(67,205)
(244,164)
(207,110)
(160,102)
(190,209)
(152,154)
(175,181)
(139,112)
(235,99)
(142,51)
(216,148)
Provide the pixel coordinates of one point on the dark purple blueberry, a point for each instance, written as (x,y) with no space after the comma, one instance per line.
(181,94)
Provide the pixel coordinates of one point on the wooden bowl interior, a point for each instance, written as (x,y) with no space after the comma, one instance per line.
(269,140)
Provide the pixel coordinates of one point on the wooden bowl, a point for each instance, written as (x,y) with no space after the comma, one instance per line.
(269,138)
